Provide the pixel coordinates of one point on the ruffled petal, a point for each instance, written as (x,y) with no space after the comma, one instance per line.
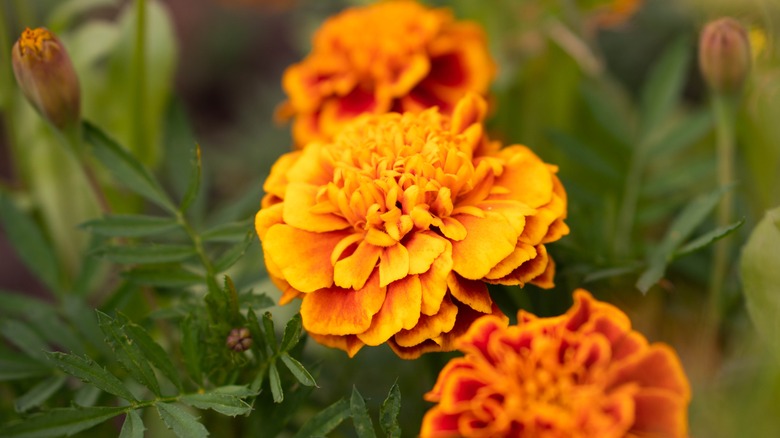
(429,327)
(337,311)
(353,271)
(400,310)
(299,200)
(488,241)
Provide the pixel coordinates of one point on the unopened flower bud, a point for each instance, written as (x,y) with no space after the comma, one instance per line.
(724,54)
(239,339)
(46,76)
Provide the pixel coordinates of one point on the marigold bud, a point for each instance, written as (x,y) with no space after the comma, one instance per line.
(724,54)
(46,76)
(239,339)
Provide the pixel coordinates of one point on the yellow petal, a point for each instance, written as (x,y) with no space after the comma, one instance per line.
(266,218)
(522,253)
(489,240)
(337,311)
(429,327)
(434,282)
(353,271)
(393,264)
(299,200)
(401,310)
(471,293)
(424,247)
(349,343)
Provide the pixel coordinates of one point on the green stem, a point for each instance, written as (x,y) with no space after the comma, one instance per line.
(139,82)
(8,93)
(211,274)
(724,107)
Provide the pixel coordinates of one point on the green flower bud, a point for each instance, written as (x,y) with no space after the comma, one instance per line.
(46,76)
(724,55)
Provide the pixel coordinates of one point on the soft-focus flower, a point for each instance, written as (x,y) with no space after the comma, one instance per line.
(617,12)
(583,374)
(391,56)
(724,54)
(46,76)
(390,232)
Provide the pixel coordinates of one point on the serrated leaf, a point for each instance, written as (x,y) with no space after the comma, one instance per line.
(58,422)
(130,225)
(147,254)
(708,238)
(664,84)
(39,393)
(191,348)
(169,276)
(128,353)
(29,242)
(229,232)
(269,332)
(17,366)
(298,370)
(292,333)
(24,338)
(195,178)
(225,404)
(133,426)
(87,370)
(181,422)
(326,420)
(360,419)
(125,167)
(760,272)
(388,413)
(234,253)
(151,350)
(275,382)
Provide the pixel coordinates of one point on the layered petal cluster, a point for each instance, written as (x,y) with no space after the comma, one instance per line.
(390,232)
(390,56)
(583,374)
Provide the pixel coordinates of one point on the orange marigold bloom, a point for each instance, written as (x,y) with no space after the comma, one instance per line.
(391,56)
(583,374)
(390,232)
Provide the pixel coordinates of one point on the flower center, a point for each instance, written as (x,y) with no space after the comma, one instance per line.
(32,40)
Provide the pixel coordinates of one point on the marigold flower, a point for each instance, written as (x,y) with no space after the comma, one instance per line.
(391,56)
(583,374)
(389,233)
(46,76)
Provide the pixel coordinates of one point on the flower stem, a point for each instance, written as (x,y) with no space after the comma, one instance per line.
(139,82)
(211,273)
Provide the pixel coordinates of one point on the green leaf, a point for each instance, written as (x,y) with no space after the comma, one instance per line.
(292,333)
(685,132)
(603,101)
(18,304)
(151,350)
(191,348)
(234,253)
(58,422)
(128,353)
(170,276)
(86,396)
(229,232)
(255,301)
(47,322)
(584,155)
(130,225)
(269,332)
(181,422)
(147,254)
(298,370)
(194,185)
(388,412)
(326,420)
(29,242)
(706,239)
(225,404)
(662,89)
(133,426)
(236,391)
(125,167)
(17,367)
(760,269)
(275,382)
(39,393)
(362,422)
(24,338)
(615,271)
(88,371)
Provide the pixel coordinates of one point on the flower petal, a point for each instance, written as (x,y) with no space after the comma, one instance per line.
(298,202)
(400,310)
(470,292)
(660,413)
(349,343)
(489,240)
(424,248)
(522,253)
(429,327)
(337,311)
(353,271)
(393,264)
(434,282)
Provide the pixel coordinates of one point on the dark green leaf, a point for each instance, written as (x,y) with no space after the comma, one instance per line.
(326,420)
(24,338)
(292,333)
(169,276)
(125,167)
(147,254)
(298,370)
(85,322)
(584,155)
(269,332)
(258,334)
(685,132)
(388,413)
(92,268)
(29,242)
(602,100)
(255,301)
(761,279)
(662,88)
(362,422)
(225,404)
(181,422)
(46,321)
(87,396)
(230,232)
(127,225)
(234,253)
(275,382)
(88,371)
(151,350)
(17,366)
(39,393)
(236,391)
(133,426)
(194,184)
(58,422)
(128,353)
(191,348)
(706,239)
(18,304)
(616,271)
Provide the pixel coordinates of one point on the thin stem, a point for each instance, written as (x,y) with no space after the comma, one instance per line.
(724,108)
(211,273)
(139,75)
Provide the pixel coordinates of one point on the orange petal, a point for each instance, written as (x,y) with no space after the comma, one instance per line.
(400,310)
(470,292)
(526,176)
(522,253)
(438,424)
(489,240)
(660,413)
(478,336)
(659,368)
(471,109)
(349,343)
(298,202)
(429,327)
(266,218)
(306,267)
(310,167)
(276,183)
(337,311)
(353,271)
(528,271)
(393,264)
(424,247)
(416,69)
(434,282)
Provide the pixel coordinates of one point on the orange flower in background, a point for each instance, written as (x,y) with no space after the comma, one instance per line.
(389,233)
(582,374)
(391,56)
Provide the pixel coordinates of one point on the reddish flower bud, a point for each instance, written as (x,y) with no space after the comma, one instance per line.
(724,54)
(239,339)
(46,76)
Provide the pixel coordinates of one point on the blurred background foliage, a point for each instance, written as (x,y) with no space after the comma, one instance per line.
(607,90)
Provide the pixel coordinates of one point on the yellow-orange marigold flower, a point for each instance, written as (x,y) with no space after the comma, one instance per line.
(583,374)
(390,56)
(390,232)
